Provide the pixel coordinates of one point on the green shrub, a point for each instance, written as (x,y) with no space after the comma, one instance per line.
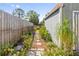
(66,36)
(44,33)
(53,50)
(9,50)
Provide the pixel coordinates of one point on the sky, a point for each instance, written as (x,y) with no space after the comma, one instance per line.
(41,8)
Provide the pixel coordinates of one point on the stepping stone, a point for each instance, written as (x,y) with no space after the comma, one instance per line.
(41,49)
(39,43)
(33,49)
(31,53)
(18,47)
(37,40)
(38,53)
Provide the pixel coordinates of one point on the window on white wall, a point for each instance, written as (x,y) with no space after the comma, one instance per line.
(76,28)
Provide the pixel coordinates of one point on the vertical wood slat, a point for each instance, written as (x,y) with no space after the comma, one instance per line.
(11,28)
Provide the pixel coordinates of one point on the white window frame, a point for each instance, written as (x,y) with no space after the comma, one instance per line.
(73,19)
(73,25)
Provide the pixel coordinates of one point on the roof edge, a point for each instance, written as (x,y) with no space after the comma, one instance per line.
(58,5)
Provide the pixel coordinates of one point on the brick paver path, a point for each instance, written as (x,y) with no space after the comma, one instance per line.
(38,45)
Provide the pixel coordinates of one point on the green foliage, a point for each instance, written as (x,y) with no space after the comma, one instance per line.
(18,12)
(66,36)
(7,51)
(44,34)
(27,42)
(53,50)
(27,39)
(33,17)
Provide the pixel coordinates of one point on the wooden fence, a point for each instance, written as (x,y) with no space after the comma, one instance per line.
(11,28)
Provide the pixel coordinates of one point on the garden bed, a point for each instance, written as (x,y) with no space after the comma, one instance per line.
(20,48)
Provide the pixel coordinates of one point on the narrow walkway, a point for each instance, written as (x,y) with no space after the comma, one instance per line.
(38,46)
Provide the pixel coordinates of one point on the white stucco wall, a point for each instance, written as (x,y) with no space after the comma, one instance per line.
(51,25)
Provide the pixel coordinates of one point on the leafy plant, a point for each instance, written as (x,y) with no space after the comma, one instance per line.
(44,34)
(53,50)
(33,17)
(19,12)
(66,36)
(9,50)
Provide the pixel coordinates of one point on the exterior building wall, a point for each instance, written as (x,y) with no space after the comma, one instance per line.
(52,24)
(57,17)
(67,11)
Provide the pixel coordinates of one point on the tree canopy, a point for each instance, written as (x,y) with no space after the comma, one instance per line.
(18,12)
(33,17)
